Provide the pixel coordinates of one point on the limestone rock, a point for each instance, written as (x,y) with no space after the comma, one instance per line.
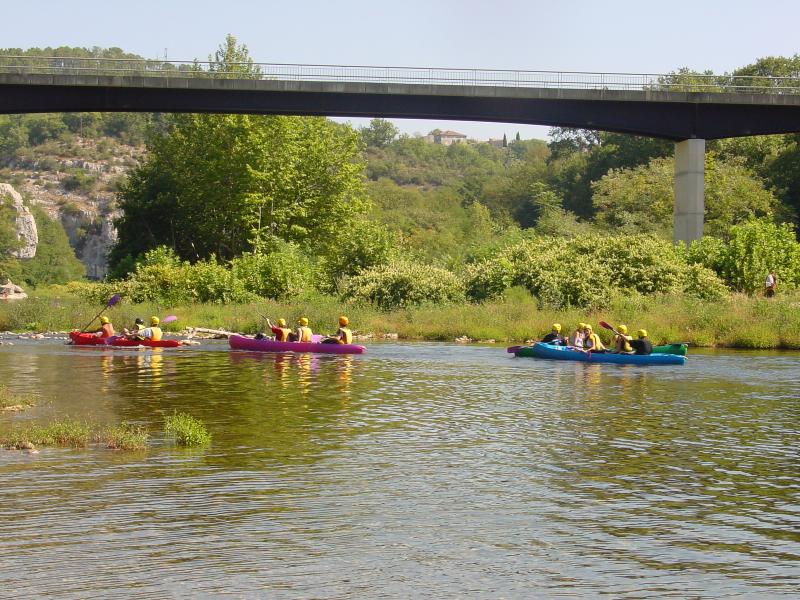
(9,291)
(25,223)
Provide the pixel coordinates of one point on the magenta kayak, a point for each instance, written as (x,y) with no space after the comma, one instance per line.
(240,342)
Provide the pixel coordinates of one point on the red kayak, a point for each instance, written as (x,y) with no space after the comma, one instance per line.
(240,342)
(89,339)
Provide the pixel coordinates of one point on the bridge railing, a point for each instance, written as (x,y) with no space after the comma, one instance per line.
(678,81)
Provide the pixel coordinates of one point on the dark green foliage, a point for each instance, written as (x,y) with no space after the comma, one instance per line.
(55,260)
(9,266)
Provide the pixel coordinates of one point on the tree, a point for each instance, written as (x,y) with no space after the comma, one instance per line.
(233,61)
(518,138)
(505,141)
(379,134)
(55,261)
(641,199)
(9,265)
(211,183)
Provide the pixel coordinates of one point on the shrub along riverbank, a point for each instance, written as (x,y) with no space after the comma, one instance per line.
(735,321)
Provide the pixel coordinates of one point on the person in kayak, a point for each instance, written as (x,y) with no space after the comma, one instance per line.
(152,333)
(554,337)
(578,336)
(106,328)
(343,335)
(302,333)
(641,346)
(133,333)
(281,331)
(592,343)
(622,340)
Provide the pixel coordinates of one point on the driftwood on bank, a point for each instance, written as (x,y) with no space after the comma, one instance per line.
(217,333)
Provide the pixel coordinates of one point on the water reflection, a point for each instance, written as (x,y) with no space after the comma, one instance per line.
(448,471)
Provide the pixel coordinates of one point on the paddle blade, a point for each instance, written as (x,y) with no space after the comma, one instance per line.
(169,319)
(605,325)
(113,300)
(513,349)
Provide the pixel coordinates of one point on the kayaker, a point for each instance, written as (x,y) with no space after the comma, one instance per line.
(592,342)
(554,337)
(280,330)
(133,333)
(577,337)
(106,328)
(302,333)
(343,335)
(622,340)
(152,333)
(642,345)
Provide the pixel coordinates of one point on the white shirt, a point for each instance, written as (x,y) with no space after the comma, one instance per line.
(770,281)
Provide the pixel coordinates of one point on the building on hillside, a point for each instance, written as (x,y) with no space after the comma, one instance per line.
(496,143)
(445,138)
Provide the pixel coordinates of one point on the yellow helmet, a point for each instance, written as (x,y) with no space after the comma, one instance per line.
(302,321)
(281,322)
(343,321)
(581,326)
(588,327)
(154,321)
(642,333)
(104,320)
(623,329)
(557,327)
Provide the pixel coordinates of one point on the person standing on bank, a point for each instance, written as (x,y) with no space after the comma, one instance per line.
(770,284)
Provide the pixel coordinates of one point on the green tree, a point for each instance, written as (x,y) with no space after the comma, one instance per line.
(212,182)
(641,199)
(379,134)
(55,261)
(9,265)
(233,61)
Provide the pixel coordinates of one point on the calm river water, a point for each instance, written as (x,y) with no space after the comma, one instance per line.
(415,470)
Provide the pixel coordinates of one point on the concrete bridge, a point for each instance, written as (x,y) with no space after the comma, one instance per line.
(664,106)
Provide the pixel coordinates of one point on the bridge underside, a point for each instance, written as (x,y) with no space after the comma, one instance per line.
(662,115)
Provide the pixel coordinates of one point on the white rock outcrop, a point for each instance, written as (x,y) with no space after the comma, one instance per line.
(25,223)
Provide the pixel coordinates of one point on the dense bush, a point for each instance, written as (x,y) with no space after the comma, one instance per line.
(284,271)
(750,251)
(585,272)
(403,283)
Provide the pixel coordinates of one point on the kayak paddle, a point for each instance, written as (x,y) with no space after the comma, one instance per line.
(111,302)
(605,325)
(514,349)
(169,319)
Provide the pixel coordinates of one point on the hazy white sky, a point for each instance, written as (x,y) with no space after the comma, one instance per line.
(577,35)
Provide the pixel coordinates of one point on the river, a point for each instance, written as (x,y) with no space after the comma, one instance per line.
(414,470)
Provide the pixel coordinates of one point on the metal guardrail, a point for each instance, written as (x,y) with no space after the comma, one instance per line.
(583,80)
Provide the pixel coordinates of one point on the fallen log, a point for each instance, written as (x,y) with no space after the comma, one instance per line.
(218,333)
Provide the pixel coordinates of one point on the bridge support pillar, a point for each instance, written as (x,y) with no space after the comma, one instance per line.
(689,186)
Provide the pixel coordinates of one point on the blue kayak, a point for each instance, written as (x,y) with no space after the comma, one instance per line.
(540,350)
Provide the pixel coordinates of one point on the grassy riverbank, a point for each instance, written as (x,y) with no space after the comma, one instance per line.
(738,321)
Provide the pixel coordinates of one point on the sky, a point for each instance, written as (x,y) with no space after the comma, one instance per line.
(554,35)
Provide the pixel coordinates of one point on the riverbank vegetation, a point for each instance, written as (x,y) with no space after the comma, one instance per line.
(230,215)
(737,320)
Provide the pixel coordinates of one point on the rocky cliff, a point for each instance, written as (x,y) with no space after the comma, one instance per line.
(75,184)
(25,223)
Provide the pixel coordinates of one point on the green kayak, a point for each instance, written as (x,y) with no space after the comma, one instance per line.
(679,349)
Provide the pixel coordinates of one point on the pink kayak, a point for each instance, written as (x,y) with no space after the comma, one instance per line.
(240,342)
(89,339)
